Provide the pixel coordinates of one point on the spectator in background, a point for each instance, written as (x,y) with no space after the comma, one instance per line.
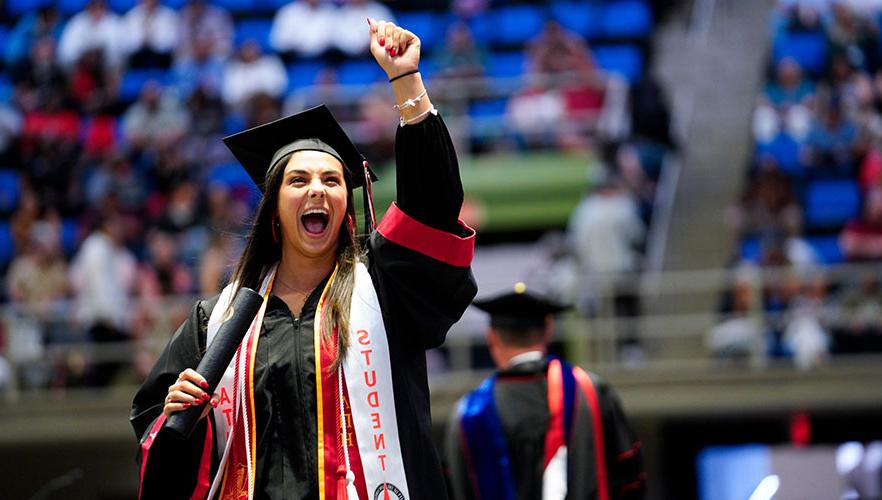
(833,142)
(252,73)
(94,28)
(854,37)
(118,177)
(201,68)
(38,78)
(300,29)
(805,334)
(460,57)
(606,233)
(163,274)
(789,86)
(860,311)
(155,119)
(200,20)
(92,84)
(861,240)
(33,26)
(769,206)
(740,334)
(151,33)
(38,275)
(103,275)
(347,33)
(10,130)
(558,51)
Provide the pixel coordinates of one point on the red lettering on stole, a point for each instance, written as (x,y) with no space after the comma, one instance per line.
(375,420)
(224,397)
(367,356)
(228,412)
(373,399)
(382,462)
(379,441)
(363,337)
(370,378)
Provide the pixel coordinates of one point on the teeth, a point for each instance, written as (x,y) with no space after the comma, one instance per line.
(319,211)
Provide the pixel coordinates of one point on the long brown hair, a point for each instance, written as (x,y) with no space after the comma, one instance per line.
(262,252)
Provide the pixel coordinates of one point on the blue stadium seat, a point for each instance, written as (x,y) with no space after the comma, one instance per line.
(238,6)
(751,249)
(121,6)
(624,60)
(175,4)
(506,64)
(785,150)
(516,25)
(483,29)
(830,204)
(359,73)
(133,80)
(230,174)
(303,74)
(6,248)
(271,6)
(70,7)
(17,8)
(827,248)
(254,29)
(488,108)
(233,123)
(808,49)
(580,18)
(70,236)
(431,27)
(630,19)
(9,190)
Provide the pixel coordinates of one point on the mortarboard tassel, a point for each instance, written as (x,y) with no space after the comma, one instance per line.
(370,216)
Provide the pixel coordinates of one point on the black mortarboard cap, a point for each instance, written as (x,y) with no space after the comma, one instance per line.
(519,308)
(258,149)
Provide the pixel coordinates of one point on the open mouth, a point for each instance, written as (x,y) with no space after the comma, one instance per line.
(315,221)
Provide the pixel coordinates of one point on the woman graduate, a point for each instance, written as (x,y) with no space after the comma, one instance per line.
(327,396)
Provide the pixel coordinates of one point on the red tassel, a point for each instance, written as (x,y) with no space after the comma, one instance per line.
(385,492)
(341,484)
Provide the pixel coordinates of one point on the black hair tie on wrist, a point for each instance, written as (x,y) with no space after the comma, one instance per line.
(402,75)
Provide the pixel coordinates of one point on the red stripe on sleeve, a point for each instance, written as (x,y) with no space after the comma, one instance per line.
(401,229)
(630,453)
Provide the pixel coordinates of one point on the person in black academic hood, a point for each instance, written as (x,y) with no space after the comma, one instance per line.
(304,251)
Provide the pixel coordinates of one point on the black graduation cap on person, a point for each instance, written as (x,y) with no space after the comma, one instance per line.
(519,308)
(261,148)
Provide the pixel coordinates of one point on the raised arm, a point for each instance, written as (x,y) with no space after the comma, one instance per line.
(429,188)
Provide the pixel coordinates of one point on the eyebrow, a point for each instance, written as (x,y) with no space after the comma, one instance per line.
(306,172)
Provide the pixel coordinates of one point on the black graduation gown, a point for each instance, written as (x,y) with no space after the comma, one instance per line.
(423,288)
(521,398)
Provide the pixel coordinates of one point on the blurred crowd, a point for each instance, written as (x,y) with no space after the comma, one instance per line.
(116,191)
(814,192)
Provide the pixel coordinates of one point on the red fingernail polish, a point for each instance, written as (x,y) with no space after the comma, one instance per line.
(393,51)
(186,405)
(204,384)
(214,404)
(368,20)
(382,41)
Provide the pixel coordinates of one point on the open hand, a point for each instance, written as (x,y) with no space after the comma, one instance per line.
(395,49)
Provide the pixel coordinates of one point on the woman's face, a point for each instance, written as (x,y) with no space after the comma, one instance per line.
(312,203)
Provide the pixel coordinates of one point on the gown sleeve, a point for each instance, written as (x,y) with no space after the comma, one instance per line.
(624,456)
(169,467)
(421,250)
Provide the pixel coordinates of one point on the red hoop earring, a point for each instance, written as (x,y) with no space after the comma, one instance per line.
(273,224)
(349,223)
